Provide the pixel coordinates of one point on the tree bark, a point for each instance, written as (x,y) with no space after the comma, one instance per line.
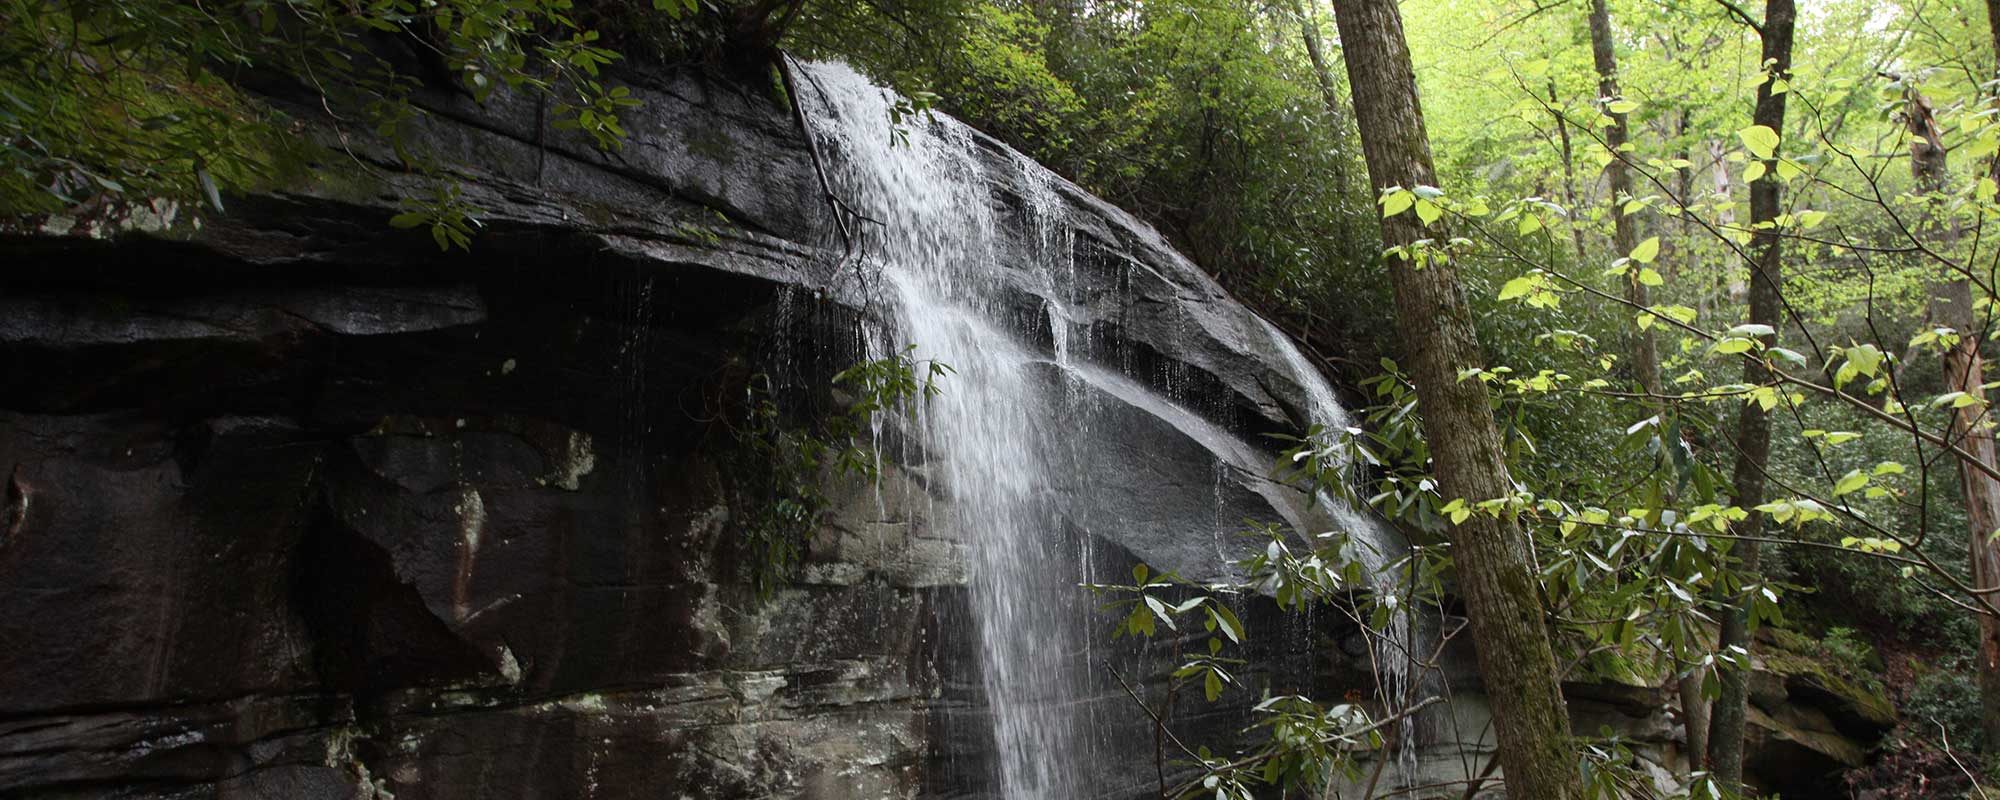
(1733,288)
(1964,371)
(1569,172)
(1645,352)
(1316,53)
(1493,557)
(1963,368)
(1323,74)
(1984,514)
(1753,426)
(1993,25)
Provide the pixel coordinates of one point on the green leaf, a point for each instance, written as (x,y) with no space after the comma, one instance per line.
(1231,626)
(1647,250)
(1760,140)
(1428,212)
(1733,345)
(1622,107)
(1791,358)
(1850,483)
(1649,277)
(408,219)
(1864,358)
(1518,287)
(1397,201)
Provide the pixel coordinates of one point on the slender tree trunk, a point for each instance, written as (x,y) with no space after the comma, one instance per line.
(1686,260)
(1569,172)
(1733,288)
(1753,426)
(1316,53)
(1964,361)
(1625,235)
(1964,370)
(1493,557)
(1644,348)
(1322,74)
(1993,25)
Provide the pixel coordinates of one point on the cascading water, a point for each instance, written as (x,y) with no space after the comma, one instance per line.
(1004,439)
(1398,645)
(934,248)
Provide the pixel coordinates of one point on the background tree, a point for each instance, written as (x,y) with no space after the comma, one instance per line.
(1753,426)
(1493,557)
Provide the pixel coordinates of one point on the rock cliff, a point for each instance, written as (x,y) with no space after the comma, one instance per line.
(298,506)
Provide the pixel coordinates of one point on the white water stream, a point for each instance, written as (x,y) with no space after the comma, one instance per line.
(1002,447)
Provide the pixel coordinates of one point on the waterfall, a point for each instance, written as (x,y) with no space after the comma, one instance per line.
(1401,641)
(1006,438)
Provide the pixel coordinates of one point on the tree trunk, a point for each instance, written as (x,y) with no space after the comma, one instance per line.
(1625,235)
(1993,25)
(1985,513)
(1569,172)
(1686,259)
(1733,287)
(1644,348)
(1316,53)
(1322,74)
(1964,370)
(1493,557)
(1753,426)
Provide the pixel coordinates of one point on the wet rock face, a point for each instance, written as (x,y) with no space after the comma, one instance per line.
(294,506)
(442,539)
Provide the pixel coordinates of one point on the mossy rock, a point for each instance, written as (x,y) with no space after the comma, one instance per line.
(1855,706)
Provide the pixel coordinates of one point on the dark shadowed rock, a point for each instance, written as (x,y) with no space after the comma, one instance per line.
(299,507)
(296,506)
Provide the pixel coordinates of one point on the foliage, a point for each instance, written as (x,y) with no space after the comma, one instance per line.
(1213,120)
(1203,117)
(1948,695)
(102,102)
(1301,742)
(792,461)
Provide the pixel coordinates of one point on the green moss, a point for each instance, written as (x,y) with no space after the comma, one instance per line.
(711,143)
(1797,658)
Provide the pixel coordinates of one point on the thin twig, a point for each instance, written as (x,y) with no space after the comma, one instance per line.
(1945,737)
(1150,712)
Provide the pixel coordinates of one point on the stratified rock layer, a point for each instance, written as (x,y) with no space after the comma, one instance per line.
(297,506)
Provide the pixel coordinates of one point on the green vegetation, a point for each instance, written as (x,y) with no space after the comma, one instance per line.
(108,101)
(1724,294)
(791,458)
